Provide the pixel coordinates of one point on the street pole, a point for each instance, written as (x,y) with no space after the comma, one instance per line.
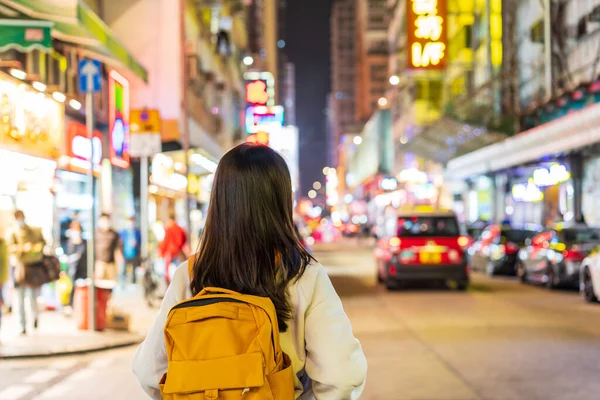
(184,114)
(91,256)
(548,48)
(144,207)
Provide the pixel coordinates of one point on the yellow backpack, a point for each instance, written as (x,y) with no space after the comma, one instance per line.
(225,345)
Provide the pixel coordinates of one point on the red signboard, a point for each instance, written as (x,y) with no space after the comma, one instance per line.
(427,34)
(78,148)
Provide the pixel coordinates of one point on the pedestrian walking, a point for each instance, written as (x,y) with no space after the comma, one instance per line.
(250,255)
(77,252)
(131,237)
(109,252)
(26,244)
(173,248)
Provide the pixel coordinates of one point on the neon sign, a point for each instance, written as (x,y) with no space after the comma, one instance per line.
(426,34)
(529,193)
(258,138)
(262,118)
(557,173)
(256,93)
(118,120)
(260,88)
(78,149)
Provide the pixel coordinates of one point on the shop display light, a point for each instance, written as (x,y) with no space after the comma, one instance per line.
(39,86)
(382,102)
(248,61)
(17,73)
(394,80)
(357,140)
(75,104)
(58,96)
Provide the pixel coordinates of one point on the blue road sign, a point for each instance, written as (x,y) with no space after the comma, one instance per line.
(90,76)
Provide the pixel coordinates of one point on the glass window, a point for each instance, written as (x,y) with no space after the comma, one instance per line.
(428,226)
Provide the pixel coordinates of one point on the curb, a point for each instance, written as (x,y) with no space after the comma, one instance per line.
(74,352)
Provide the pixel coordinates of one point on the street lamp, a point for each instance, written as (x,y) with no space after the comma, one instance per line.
(317,185)
(382,102)
(325,170)
(394,80)
(312,194)
(248,61)
(357,140)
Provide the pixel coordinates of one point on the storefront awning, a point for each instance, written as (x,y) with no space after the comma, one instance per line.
(447,138)
(25,35)
(74,22)
(567,134)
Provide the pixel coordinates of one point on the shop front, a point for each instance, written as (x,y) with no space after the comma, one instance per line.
(31,128)
(543,186)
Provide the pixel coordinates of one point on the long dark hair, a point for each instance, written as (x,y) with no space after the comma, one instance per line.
(249,244)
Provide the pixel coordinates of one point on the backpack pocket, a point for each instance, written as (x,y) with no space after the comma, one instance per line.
(281,383)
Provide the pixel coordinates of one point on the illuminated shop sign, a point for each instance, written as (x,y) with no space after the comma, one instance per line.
(260,88)
(263,118)
(118,120)
(527,193)
(426,34)
(331,187)
(31,122)
(78,149)
(258,138)
(557,173)
(388,184)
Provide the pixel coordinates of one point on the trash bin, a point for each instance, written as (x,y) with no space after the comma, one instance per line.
(81,309)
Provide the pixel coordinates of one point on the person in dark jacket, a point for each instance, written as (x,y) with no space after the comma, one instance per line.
(77,251)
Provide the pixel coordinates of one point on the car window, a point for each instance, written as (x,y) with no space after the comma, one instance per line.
(428,226)
(517,235)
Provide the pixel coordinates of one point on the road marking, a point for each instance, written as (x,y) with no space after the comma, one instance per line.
(41,376)
(15,392)
(57,391)
(82,375)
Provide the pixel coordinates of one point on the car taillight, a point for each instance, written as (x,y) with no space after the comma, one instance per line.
(573,255)
(463,241)
(511,248)
(393,270)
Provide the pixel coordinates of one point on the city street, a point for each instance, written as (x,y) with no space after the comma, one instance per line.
(500,340)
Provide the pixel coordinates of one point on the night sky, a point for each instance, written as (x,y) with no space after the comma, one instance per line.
(307,31)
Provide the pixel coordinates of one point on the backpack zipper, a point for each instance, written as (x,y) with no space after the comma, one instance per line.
(206,302)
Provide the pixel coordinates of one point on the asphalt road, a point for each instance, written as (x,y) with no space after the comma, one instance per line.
(500,340)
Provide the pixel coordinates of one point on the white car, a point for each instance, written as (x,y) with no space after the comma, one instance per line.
(590,277)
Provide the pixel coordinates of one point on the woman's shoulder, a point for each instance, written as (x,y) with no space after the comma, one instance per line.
(307,283)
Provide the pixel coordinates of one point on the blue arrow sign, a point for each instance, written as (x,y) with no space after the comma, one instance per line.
(90,76)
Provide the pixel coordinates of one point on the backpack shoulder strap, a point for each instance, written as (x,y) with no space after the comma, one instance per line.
(191,262)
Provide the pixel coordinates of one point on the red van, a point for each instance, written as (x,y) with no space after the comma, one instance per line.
(426,245)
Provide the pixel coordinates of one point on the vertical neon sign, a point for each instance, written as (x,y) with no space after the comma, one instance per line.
(118,120)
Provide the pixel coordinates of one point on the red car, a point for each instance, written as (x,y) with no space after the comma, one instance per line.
(423,245)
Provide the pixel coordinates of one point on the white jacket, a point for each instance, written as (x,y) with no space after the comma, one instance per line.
(327,360)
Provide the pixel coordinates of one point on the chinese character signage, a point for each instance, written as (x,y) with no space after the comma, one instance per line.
(260,88)
(118,120)
(427,40)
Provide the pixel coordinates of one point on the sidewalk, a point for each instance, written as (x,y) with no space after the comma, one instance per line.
(58,334)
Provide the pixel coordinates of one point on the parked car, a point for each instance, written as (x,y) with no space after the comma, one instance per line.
(589,277)
(426,244)
(495,252)
(554,257)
